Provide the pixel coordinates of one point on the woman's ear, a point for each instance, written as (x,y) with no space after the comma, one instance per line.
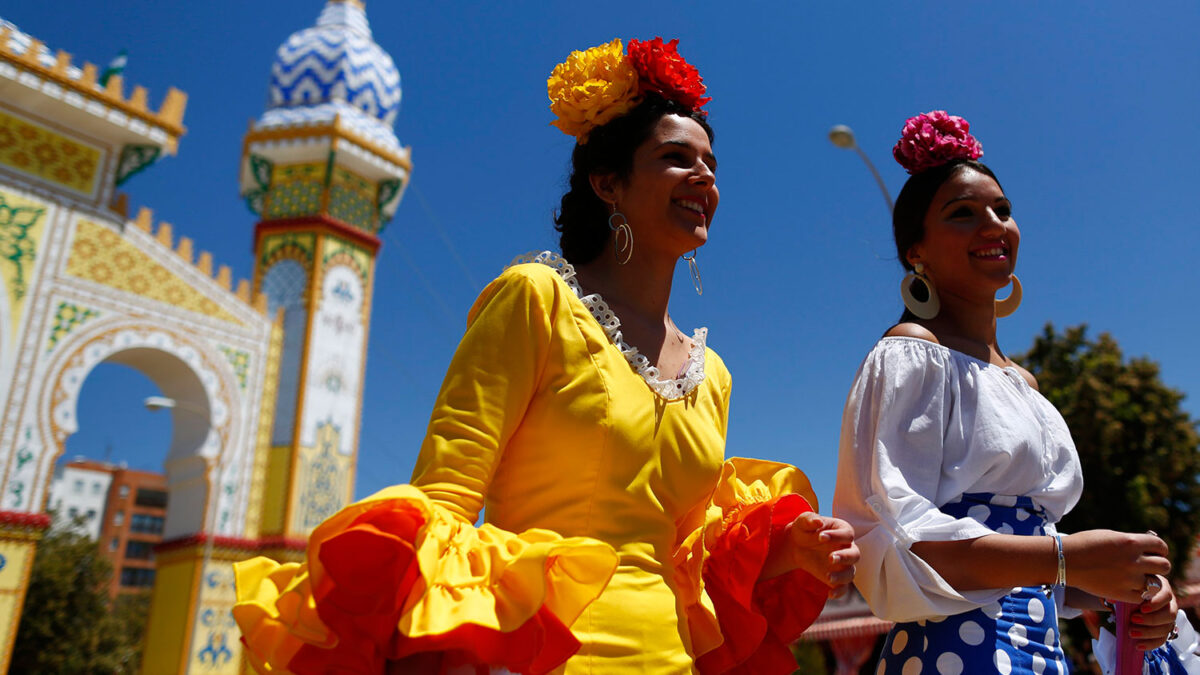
(913,256)
(605,187)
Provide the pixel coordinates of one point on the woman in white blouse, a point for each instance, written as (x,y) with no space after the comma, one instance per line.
(953,469)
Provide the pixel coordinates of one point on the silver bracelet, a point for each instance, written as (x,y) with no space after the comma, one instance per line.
(1060,580)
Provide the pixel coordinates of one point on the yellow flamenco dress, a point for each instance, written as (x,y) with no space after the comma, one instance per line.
(640,549)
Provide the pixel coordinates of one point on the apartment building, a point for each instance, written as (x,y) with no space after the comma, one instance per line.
(123,509)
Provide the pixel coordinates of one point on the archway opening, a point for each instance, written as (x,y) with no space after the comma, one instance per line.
(135,475)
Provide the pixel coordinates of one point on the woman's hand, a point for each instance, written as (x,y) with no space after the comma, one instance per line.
(822,546)
(1113,564)
(1155,618)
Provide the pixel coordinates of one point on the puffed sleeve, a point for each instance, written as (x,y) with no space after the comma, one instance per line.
(492,377)
(396,574)
(889,468)
(739,623)
(406,571)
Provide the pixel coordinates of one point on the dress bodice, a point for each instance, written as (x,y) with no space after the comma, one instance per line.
(545,420)
(924,425)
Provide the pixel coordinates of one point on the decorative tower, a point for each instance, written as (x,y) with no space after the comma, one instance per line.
(325,172)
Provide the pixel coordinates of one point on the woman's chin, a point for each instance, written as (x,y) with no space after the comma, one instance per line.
(698,237)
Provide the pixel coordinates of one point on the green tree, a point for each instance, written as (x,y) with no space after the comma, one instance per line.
(1137,445)
(67,625)
(810,659)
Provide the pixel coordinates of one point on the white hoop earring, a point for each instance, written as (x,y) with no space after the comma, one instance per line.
(694,269)
(1010,304)
(922,310)
(622,237)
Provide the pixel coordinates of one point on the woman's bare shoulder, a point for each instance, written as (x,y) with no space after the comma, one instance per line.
(1027,375)
(912,330)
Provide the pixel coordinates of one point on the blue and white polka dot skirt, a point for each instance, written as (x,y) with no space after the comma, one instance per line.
(1016,634)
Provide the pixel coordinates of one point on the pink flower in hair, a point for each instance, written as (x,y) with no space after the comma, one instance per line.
(933,139)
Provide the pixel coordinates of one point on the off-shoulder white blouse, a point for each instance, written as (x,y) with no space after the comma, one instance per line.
(923,425)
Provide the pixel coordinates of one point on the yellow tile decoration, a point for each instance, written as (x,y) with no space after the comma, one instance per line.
(216,649)
(352,200)
(340,251)
(295,190)
(67,317)
(294,245)
(323,481)
(37,151)
(21,224)
(101,255)
(240,360)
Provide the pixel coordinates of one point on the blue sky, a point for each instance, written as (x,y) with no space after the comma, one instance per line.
(1086,111)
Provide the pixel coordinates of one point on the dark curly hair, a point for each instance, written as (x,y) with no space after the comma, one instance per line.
(912,205)
(582,218)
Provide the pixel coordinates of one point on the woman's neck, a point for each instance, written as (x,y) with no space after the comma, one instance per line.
(641,286)
(967,322)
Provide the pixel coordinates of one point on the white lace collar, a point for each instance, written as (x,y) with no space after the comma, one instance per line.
(670,390)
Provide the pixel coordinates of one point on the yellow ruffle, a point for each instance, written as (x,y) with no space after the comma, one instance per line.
(743,482)
(483,576)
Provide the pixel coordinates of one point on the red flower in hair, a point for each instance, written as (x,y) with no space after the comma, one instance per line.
(933,139)
(663,71)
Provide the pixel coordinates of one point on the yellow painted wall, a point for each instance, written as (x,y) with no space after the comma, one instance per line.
(17,555)
(171,613)
(255,518)
(275,495)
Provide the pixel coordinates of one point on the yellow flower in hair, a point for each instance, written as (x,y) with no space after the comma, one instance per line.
(592,87)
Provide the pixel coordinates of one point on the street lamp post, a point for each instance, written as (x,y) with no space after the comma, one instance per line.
(843,137)
(154,403)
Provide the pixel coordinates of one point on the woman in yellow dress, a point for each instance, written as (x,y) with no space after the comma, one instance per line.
(640,549)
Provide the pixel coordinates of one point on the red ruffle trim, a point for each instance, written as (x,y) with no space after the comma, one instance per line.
(758,619)
(357,607)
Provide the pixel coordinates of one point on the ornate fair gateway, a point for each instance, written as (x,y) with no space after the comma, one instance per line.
(267,375)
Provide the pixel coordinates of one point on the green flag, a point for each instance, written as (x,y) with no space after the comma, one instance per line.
(114,67)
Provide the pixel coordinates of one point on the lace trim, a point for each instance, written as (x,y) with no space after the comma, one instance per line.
(670,390)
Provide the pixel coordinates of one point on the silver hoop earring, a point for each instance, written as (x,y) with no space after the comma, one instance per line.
(694,269)
(1010,304)
(622,237)
(923,310)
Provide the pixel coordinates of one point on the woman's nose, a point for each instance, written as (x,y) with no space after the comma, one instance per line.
(992,220)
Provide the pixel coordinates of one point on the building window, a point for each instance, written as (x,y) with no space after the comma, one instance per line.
(151,498)
(118,518)
(124,491)
(137,577)
(146,524)
(72,513)
(114,544)
(96,488)
(139,550)
(78,487)
(91,514)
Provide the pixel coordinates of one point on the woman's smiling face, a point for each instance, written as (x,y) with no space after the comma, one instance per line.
(971,240)
(670,194)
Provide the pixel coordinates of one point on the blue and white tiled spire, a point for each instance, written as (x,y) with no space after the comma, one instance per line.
(335,69)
